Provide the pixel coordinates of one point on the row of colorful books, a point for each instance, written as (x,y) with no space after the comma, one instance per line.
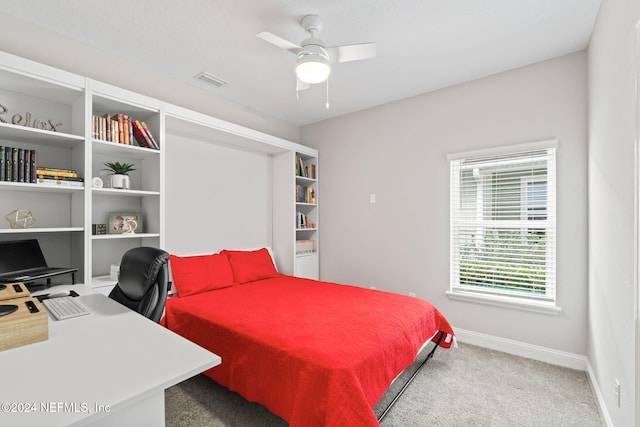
(305,246)
(305,194)
(17,164)
(302,221)
(121,129)
(21,165)
(305,170)
(56,176)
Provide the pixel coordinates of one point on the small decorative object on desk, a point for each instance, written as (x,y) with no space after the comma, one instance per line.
(20,218)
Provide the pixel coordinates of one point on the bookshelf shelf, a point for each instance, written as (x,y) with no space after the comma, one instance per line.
(39,188)
(305,179)
(308,254)
(127,193)
(41,230)
(124,236)
(130,151)
(35,136)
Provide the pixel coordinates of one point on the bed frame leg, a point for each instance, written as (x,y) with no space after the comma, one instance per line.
(404,387)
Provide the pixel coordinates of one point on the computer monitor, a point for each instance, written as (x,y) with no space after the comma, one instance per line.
(18,255)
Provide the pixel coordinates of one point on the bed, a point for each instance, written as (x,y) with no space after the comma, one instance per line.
(314,353)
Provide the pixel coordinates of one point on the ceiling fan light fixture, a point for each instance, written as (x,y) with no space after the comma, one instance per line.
(312,68)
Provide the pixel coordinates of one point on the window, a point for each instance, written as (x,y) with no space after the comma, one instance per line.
(503,223)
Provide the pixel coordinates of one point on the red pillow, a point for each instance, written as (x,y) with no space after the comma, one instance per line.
(248,266)
(200,273)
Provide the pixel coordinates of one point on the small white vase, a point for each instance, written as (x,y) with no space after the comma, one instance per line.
(120,181)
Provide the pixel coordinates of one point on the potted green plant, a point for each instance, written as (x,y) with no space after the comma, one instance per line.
(120,177)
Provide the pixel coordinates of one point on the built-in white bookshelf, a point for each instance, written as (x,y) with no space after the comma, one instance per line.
(63,107)
(296,230)
(42,111)
(118,109)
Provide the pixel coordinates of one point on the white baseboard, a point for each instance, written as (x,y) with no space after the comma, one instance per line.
(597,392)
(543,354)
(518,348)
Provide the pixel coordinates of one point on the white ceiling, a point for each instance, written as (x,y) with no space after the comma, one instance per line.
(422,45)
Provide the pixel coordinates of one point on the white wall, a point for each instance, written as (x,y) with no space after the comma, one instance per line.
(217,197)
(612,151)
(30,41)
(397,151)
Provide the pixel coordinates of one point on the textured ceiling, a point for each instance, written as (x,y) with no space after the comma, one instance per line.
(422,45)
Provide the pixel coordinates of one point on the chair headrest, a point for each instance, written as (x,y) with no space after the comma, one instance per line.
(139,270)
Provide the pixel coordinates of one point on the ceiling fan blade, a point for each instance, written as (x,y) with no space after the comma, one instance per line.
(280,42)
(352,52)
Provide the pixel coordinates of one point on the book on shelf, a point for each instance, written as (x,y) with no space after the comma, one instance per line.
(3,164)
(310,171)
(61,182)
(14,164)
(34,165)
(305,194)
(305,169)
(17,164)
(42,170)
(302,221)
(305,246)
(148,132)
(57,176)
(27,166)
(122,129)
(20,165)
(141,135)
(299,166)
(60,178)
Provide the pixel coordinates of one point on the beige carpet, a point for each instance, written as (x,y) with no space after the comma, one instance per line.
(468,386)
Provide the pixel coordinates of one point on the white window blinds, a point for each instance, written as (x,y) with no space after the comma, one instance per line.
(503,221)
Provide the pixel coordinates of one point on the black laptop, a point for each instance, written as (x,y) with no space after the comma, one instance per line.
(23,261)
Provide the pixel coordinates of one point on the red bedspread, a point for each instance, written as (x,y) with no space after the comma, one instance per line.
(314,353)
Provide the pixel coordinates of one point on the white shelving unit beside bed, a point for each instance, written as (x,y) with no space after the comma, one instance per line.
(295,199)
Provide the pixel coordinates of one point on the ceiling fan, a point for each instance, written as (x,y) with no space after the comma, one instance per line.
(313,64)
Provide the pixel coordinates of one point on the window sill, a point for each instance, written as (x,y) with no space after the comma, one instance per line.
(506,301)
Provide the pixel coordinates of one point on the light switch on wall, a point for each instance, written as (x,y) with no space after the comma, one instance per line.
(372,198)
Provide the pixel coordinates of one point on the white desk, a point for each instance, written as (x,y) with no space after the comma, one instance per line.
(110,367)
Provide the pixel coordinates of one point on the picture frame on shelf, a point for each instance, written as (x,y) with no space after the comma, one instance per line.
(125,223)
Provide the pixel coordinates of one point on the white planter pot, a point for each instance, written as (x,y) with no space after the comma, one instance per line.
(120,181)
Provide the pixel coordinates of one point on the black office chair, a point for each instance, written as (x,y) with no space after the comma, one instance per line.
(143,281)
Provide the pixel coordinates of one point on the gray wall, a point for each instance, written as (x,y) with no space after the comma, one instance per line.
(613,61)
(398,152)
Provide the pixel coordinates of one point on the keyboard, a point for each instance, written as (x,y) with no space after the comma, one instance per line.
(64,307)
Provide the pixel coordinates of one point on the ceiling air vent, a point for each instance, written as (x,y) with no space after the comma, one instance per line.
(211,79)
